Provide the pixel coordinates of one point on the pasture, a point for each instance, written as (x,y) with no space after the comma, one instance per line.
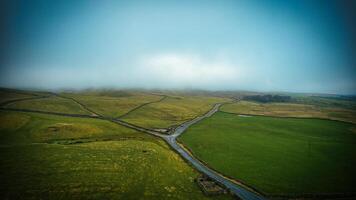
(9,95)
(49,156)
(278,155)
(50,104)
(171,111)
(113,103)
(20,128)
(305,109)
(346,102)
(54,157)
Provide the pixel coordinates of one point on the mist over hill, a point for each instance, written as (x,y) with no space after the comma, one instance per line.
(294,46)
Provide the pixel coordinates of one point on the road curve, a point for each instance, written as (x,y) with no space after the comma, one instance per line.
(233,187)
(238,190)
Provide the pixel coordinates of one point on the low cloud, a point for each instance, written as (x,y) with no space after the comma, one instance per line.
(182,70)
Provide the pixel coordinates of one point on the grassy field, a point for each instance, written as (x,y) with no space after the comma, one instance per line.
(316,110)
(8,95)
(47,156)
(50,104)
(173,110)
(278,155)
(327,101)
(20,128)
(113,103)
(52,157)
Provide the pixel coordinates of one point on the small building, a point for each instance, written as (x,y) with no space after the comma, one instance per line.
(209,187)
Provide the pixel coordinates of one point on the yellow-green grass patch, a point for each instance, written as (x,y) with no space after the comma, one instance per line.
(130,169)
(115,105)
(9,96)
(50,104)
(17,127)
(131,165)
(172,111)
(291,110)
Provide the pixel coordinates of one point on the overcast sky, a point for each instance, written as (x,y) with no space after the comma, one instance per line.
(297,46)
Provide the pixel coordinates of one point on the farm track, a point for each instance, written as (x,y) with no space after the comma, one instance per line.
(23,99)
(49,113)
(234,188)
(84,107)
(142,105)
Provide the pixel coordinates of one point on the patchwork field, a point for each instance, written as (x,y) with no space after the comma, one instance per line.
(19,128)
(171,111)
(346,102)
(316,110)
(113,103)
(9,95)
(278,155)
(57,157)
(51,157)
(50,104)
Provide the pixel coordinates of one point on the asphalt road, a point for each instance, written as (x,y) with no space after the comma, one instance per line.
(233,187)
(236,189)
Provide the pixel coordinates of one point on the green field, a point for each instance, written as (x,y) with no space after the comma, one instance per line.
(52,157)
(327,101)
(171,111)
(113,103)
(9,95)
(48,156)
(278,155)
(23,128)
(307,109)
(50,104)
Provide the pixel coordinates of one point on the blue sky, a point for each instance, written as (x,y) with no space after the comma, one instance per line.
(296,46)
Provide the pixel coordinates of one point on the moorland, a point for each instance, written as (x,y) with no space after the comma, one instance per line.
(66,144)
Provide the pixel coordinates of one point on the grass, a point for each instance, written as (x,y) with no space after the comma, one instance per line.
(113,103)
(50,104)
(6,95)
(20,128)
(327,101)
(55,157)
(100,170)
(278,155)
(292,110)
(172,111)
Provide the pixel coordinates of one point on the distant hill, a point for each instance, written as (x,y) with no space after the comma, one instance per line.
(268,98)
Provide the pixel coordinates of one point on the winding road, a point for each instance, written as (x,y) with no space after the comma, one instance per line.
(236,189)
